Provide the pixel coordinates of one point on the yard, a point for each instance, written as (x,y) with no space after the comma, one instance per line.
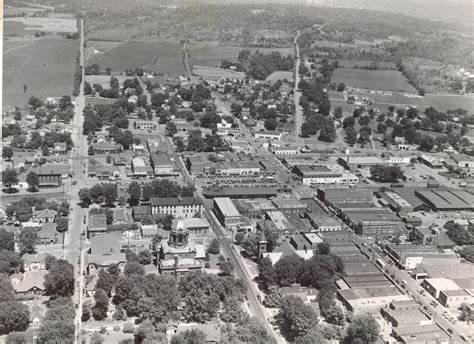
(152,57)
(280,75)
(44,74)
(388,80)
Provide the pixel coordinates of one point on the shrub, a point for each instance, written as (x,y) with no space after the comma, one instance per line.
(128,328)
(207,265)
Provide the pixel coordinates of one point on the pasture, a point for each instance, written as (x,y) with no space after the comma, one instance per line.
(280,75)
(117,35)
(152,57)
(387,80)
(44,74)
(210,54)
(216,73)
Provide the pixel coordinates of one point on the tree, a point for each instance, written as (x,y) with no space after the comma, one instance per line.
(85,196)
(10,177)
(133,268)
(14,316)
(60,279)
(10,262)
(110,193)
(144,330)
(7,152)
(313,336)
(266,275)
(16,338)
(363,329)
(288,269)
(106,282)
(466,313)
(27,240)
(348,122)
(296,318)
(324,248)
(135,192)
(270,124)
(7,240)
(386,174)
(101,305)
(226,268)
(341,87)
(35,102)
(457,233)
(468,253)
(364,120)
(191,336)
(214,246)
(232,310)
(337,113)
(62,224)
(58,324)
(171,129)
(351,135)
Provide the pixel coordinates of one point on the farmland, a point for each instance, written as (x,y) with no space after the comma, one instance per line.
(46,24)
(216,73)
(210,54)
(444,102)
(43,73)
(386,80)
(280,75)
(157,57)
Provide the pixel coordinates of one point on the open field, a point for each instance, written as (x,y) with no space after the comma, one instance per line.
(43,73)
(104,80)
(444,102)
(210,54)
(280,75)
(97,48)
(13,11)
(387,80)
(156,57)
(216,73)
(47,24)
(363,63)
(118,35)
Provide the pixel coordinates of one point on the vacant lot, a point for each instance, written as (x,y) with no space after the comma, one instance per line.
(216,73)
(152,57)
(210,54)
(387,80)
(48,24)
(280,75)
(43,73)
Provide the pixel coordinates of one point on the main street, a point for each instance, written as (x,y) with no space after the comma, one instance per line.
(297,95)
(73,240)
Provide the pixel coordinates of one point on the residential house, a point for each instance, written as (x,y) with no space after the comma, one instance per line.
(97,225)
(31,282)
(59,148)
(104,252)
(107,148)
(44,215)
(48,234)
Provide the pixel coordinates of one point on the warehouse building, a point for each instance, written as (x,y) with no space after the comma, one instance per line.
(447,200)
(354,162)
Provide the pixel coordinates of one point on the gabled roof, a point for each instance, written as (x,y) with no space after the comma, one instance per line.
(31,279)
(105,244)
(45,213)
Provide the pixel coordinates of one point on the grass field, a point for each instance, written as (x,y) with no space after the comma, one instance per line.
(210,54)
(450,102)
(46,24)
(280,75)
(44,74)
(216,73)
(157,57)
(387,80)
(119,35)
(93,101)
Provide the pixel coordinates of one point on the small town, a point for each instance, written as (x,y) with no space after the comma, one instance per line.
(273,188)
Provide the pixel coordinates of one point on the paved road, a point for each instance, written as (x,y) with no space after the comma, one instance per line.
(145,90)
(73,240)
(297,95)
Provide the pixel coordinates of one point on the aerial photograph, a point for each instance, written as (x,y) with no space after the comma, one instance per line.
(237,172)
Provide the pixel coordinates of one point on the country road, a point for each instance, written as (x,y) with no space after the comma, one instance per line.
(297,95)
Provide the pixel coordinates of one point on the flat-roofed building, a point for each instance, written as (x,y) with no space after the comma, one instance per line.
(226,212)
(240,192)
(374,222)
(455,298)
(289,205)
(337,238)
(447,200)
(253,208)
(179,207)
(408,256)
(162,165)
(344,198)
(283,150)
(396,202)
(323,175)
(431,333)
(354,162)
(268,135)
(435,286)
(143,124)
(369,299)
(139,167)
(403,318)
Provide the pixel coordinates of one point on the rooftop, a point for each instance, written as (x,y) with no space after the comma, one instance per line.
(442,284)
(174,201)
(227,207)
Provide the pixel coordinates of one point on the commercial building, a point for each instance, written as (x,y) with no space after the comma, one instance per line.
(162,165)
(106,148)
(179,207)
(289,205)
(336,238)
(396,202)
(240,192)
(323,175)
(144,125)
(51,175)
(448,292)
(268,135)
(104,252)
(254,209)
(198,227)
(284,224)
(404,318)
(430,333)
(462,161)
(430,161)
(344,198)
(139,167)
(408,256)
(373,222)
(97,225)
(447,200)
(283,150)
(226,212)
(353,163)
